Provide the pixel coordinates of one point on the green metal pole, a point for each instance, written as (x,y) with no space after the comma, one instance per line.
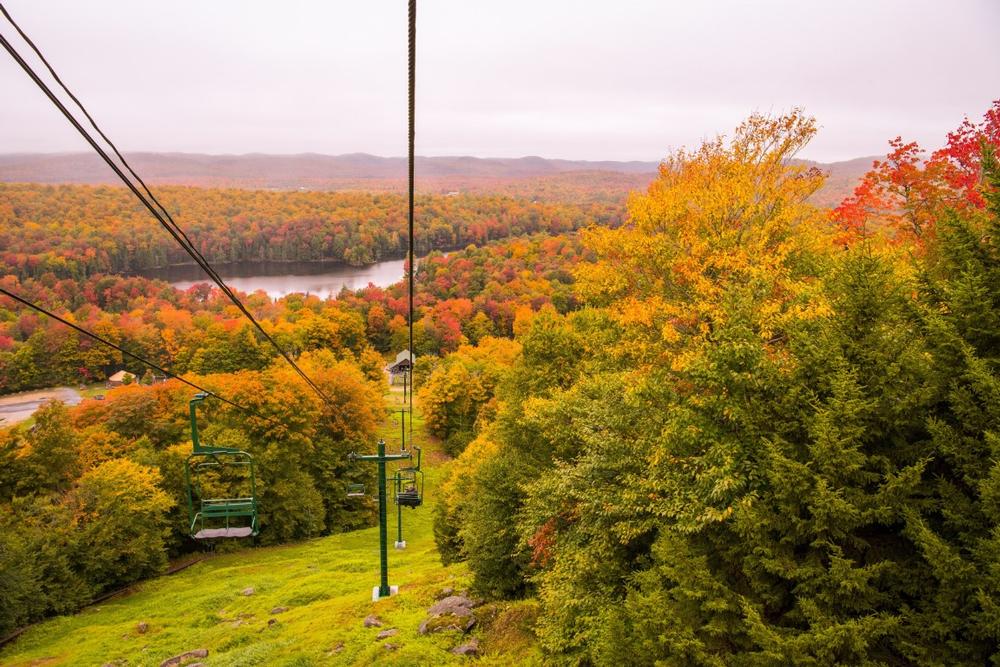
(383,538)
(400,544)
(384,590)
(198,398)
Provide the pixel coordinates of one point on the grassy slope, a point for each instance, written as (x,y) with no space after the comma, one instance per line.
(325,583)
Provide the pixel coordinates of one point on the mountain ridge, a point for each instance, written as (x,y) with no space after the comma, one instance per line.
(528,175)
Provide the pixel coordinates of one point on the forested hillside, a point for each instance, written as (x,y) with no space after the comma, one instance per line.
(93,498)
(768,436)
(460,297)
(533,177)
(79,231)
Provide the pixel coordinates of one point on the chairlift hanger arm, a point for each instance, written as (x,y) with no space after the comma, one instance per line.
(375,457)
(199,448)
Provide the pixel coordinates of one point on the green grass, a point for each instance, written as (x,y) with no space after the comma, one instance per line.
(92,390)
(325,584)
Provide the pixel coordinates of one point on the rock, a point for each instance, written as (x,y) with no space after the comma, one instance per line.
(385,634)
(239,619)
(142,628)
(447,622)
(271,621)
(248,591)
(451,613)
(390,647)
(469,648)
(185,657)
(445,592)
(279,610)
(373,621)
(453,604)
(336,649)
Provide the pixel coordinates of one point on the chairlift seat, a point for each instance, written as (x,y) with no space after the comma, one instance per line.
(409,484)
(215,533)
(408,498)
(225,509)
(355,490)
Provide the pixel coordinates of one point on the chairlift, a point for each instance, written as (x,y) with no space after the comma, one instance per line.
(410,485)
(355,490)
(214,518)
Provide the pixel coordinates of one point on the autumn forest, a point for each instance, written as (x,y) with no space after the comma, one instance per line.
(710,422)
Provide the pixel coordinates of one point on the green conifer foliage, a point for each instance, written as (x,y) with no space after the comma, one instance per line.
(801,468)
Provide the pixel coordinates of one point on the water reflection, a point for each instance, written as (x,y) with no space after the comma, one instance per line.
(279,279)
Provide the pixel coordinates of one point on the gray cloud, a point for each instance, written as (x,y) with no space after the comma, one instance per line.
(599,80)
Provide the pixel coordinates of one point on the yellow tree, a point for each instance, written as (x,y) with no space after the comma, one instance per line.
(121,514)
(730,213)
(460,391)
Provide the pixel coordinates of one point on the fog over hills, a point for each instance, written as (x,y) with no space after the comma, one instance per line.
(364,171)
(287,169)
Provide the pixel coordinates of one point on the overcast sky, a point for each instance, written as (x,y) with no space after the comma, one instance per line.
(621,79)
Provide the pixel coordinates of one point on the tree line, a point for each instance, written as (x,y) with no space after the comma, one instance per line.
(75,231)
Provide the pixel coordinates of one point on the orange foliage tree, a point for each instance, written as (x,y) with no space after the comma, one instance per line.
(906,193)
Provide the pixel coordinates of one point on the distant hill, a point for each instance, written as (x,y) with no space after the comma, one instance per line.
(841,178)
(527,176)
(287,170)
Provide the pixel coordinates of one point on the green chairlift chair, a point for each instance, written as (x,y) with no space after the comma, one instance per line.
(410,485)
(214,518)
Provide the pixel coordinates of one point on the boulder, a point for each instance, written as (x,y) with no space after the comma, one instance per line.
(390,647)
(248,591)
(453,604)
(445,592)
(446,622)
(279,610)
(142,628)
(184,658)
(385,634)
(373,621)
(451,613)
(469,648)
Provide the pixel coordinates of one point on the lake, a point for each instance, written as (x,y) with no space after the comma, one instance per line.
(279,279)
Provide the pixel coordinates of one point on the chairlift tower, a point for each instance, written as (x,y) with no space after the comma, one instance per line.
(381,458)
